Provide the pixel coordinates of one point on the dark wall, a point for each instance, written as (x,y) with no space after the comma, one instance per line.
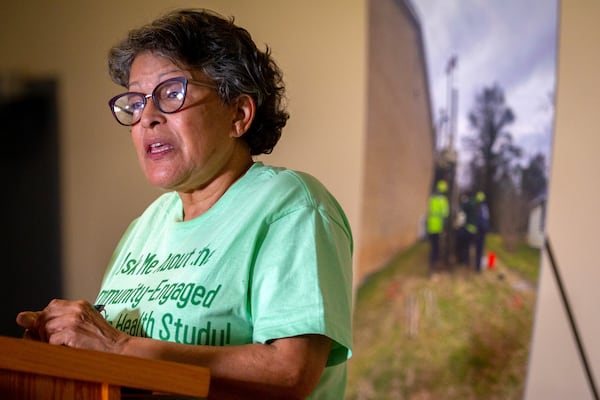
(30,203)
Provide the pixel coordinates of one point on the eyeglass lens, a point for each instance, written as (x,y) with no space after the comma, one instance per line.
(168,97)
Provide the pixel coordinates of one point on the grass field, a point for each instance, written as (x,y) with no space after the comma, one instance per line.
(456,335)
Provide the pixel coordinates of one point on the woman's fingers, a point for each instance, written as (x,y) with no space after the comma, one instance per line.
(70,323)
(27,319)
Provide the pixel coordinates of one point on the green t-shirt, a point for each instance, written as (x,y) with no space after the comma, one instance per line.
(271,259)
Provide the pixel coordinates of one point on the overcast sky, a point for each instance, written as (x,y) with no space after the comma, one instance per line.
(508,42)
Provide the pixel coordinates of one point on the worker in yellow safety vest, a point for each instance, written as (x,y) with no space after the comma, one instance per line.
(437,214)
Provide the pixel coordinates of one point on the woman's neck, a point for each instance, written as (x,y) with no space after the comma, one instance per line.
(197,202)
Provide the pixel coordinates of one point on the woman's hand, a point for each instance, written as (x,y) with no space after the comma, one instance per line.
(74,324)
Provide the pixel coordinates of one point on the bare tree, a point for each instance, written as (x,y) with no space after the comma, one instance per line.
(493,152)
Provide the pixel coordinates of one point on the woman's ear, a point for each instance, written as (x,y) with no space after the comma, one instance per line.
(245,109)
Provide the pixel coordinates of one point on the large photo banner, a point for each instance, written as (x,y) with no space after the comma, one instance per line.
(459,134)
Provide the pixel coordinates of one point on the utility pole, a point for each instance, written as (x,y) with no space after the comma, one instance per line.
(447,159)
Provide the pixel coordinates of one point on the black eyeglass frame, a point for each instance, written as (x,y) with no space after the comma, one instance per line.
(183,80)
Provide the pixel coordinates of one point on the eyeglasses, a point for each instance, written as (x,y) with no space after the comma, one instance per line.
(168,96)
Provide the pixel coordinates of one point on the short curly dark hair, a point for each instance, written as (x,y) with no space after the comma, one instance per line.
(204,40)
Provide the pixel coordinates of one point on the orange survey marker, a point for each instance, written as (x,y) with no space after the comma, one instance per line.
(491,260)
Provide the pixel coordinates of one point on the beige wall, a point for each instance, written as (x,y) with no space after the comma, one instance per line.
(319,45)
(555,370)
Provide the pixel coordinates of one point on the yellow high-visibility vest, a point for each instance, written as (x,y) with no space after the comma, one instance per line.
(437,213)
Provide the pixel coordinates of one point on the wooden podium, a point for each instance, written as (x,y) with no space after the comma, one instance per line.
(31,370)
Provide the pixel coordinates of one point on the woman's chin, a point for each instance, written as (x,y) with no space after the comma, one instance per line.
(161,181)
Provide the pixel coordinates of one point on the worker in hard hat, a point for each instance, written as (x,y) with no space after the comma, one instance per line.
(437,214)
(462,224)
(482,226)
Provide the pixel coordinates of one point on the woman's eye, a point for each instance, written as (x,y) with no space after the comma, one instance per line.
(173,95)
(138,105)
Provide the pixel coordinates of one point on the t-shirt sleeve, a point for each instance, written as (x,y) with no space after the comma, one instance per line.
(302,280)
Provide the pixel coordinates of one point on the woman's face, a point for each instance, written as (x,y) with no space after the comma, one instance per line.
(189,149)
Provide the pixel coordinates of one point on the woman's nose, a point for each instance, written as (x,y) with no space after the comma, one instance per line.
(151,115)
